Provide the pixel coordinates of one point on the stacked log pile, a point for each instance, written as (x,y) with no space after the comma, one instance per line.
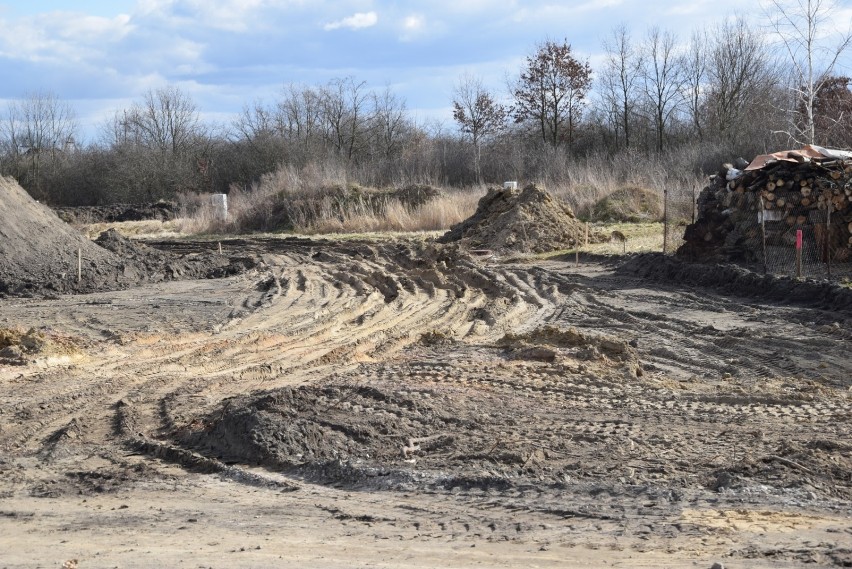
(798,192)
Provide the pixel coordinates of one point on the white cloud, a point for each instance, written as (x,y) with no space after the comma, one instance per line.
(416,27)
(354,22)
(413,23)
(61,36)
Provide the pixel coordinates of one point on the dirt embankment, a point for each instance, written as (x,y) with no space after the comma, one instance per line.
(42,255)
(160,211)
(39,253)
(739,281)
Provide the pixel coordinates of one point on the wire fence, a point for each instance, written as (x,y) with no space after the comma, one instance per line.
(811,244)
(778,235)
(678,212)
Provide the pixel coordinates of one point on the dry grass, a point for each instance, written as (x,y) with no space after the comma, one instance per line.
(585,182)
(437,214)
(640,238)
(138,229)
(321,198)
(313,200)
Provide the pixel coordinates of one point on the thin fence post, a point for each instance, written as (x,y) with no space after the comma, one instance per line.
(798,253)
(665,220)
(693,204)
(577,250)
(763,233)
(828,237)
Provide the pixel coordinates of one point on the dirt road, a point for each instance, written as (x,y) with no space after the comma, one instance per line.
(387,405)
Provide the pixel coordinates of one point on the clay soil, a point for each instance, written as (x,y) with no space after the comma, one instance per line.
(402,404)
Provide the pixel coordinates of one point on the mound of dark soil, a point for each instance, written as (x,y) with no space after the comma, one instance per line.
(38,252)
(161,211)
(739,281)
(356,435)
(522,221)
(143,263)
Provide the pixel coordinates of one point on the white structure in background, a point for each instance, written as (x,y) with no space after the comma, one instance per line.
(513,185)
(220,205)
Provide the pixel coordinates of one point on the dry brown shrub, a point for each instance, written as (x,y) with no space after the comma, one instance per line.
(630,203)
(315,200)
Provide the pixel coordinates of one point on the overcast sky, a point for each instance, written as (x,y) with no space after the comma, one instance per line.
(101,55)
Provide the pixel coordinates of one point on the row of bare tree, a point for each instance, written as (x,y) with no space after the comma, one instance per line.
(726,91)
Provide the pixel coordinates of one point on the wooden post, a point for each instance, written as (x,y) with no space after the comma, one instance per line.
(79,264)
(693,204)
(665,220)
(828,237)
(763,232)
(220,247)
(798,253)
(577,250)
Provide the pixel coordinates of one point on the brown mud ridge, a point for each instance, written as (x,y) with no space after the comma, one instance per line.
(739,281)
(113,213)
(405,396)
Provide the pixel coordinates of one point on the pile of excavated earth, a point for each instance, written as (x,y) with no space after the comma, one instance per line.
(40,254)
(519,221)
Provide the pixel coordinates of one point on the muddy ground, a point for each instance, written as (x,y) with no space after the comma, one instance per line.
(402,404)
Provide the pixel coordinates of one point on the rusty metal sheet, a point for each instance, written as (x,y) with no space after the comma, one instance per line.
(805,154)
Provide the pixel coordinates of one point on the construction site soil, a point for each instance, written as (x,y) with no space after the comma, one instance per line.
(405,404)
(402,403)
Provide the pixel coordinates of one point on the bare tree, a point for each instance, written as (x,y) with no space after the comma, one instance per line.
(620,78)
(478,115)
(695,78)
(166,120)
(258,133)
(256,122)
(551,91)
(740,74)
(663,80)
(300,115)
(389,122)
(804,29)
(160,147)
(40,129)
(343,103)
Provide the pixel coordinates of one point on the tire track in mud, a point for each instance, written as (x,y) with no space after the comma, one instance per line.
(312,319)
(393,353)
(748,350)
(320,311)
